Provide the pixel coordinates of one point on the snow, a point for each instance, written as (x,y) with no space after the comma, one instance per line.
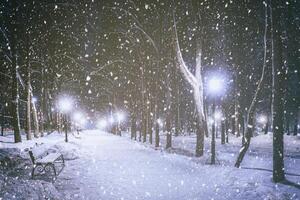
(103,166)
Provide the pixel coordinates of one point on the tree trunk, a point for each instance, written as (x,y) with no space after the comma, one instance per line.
(65,122)
(169,111)
(199,139)
(144,126)
(157,134)
(168,131)
(233,127)
(177,108)
(43,104)
(140,129)
(226,130)
(267,128)
(194,80)
(243,129)
(150,132)
(156,122)
(278,87)
(28,103)
(2,127)
(14,74)
(206,120)
(295,132)
(287,125)
(236,115)
(251,110)
(3,118)
(15,104)
(248,136)
(198,97)
(28,91)
(223,132)
(133,125)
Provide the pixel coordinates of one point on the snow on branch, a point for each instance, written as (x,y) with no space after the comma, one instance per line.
(182,66)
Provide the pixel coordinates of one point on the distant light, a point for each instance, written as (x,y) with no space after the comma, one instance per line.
(210,120)
(160,122)
(77,116)
(34,99)
(102,124)
(65,104)
(111,120)
(120,116)
(262,119)
(218,115)
(81,121)
(215,85)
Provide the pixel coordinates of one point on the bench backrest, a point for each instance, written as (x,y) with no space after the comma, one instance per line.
(36,153)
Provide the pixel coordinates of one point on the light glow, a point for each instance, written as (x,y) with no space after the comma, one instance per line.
(215,85)
(218,115)
(80,119)
(111,120)
(101,124)
(77,116)
(65,104)
(160,122)
(262,119)
(120,116)
(34,99)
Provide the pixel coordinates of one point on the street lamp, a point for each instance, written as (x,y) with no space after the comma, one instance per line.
(65,105)
(215,88)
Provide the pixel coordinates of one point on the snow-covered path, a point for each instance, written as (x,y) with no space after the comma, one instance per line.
(112,167)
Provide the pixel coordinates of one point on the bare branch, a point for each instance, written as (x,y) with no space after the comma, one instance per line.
(148,36)
(104,66)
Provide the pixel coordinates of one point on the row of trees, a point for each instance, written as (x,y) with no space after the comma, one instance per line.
(153,59)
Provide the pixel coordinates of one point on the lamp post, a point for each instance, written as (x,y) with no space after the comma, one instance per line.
(215,86)
(65,105)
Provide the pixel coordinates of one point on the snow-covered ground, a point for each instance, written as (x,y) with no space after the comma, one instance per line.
(103,166)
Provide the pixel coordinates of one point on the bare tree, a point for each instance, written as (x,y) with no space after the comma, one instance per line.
(251,110)
(197,84)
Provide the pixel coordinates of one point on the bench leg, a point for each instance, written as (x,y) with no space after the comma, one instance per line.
(63,159)
(32,172)
(54,170)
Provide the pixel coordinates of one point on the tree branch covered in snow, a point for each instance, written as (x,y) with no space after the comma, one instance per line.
(182,66)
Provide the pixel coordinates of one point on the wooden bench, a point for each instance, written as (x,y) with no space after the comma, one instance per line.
(45,161)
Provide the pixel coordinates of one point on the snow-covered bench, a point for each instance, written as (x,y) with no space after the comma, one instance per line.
(44,161)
